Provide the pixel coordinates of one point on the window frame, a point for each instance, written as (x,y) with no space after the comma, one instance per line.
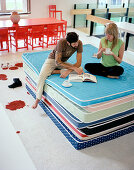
(3,10)
(108,2)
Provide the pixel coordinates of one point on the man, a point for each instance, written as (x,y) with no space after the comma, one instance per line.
(56,62)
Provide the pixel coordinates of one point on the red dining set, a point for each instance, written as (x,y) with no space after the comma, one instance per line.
(38,32)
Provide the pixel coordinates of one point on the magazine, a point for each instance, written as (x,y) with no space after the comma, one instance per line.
(82,78)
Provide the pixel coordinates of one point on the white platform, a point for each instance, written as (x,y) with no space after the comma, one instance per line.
(13,155)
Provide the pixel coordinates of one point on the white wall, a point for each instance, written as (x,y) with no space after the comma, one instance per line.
(39,8)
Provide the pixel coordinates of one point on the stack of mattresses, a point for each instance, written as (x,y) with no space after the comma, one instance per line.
(86,113)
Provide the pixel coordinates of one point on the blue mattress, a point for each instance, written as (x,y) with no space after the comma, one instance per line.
(86,93)
(74,140)
(74,120)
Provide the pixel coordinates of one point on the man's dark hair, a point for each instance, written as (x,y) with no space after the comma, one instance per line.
(72,37)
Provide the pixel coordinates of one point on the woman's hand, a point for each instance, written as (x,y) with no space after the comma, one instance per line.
(111,53)
(102,50)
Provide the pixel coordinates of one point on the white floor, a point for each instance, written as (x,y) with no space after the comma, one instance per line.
(45,144)
(13,154)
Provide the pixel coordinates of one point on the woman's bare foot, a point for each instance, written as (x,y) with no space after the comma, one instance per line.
(113,77)
(35,104)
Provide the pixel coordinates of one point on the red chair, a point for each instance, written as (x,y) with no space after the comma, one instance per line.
(4,38)
(62,28)
(37,36)
(53,12)
(20,33)
(51,34)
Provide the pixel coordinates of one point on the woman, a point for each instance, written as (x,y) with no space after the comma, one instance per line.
(110,62)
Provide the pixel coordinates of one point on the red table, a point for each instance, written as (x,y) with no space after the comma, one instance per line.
(35,21)
(30,22)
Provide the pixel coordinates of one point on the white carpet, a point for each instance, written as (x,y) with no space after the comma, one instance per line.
(13,155)
(46,145)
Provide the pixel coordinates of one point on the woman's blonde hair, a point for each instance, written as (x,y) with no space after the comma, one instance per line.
(112,29)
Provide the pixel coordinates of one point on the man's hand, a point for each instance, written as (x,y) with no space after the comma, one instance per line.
(65,73)
(78,70)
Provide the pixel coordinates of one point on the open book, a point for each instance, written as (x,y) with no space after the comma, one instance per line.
(82,77)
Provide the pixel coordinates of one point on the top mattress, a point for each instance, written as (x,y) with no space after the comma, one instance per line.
(86,93)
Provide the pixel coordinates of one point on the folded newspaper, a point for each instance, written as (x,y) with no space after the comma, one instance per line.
(82,78)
